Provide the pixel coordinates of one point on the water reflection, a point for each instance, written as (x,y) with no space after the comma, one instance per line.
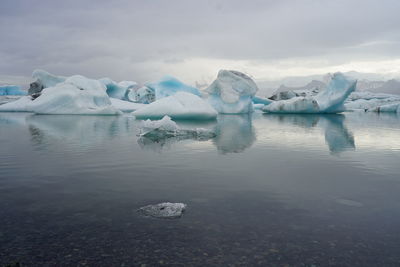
(235,133)
(337,136)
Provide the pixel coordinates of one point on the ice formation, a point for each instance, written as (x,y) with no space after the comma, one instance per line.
(167,128)
(369,100)
(76,95)
(165,210)
(168,86)
(395,108)
(181,105)
(11,90)
(330,100)
(232,92)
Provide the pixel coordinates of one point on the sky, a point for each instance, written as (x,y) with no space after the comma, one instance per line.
(143,40)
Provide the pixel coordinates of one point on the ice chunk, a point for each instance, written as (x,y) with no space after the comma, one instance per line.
(168,86)
(232,92)
(167,128)
(164,210)
(395,108)
(118,90)
(76,95)
(11,90)
(181,105)
(368,100)
(126,106)
(330,100)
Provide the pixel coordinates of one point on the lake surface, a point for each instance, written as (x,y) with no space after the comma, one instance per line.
(269,190)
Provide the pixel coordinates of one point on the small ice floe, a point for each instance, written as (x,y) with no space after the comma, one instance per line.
(164,210)
(167,128)
(349,202)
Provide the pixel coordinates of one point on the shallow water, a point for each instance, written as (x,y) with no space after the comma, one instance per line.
(280,190)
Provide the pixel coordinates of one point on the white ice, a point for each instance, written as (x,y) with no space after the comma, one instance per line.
(167,128)
(181,105)
(392,108)
(330,100)
(126,106)
(76,95)
(369,100)
(47,79)
(232,92)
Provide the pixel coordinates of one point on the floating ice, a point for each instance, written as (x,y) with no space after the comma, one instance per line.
(168,86)
(181,105)
(232,92)
(165,210)
(76,95)
(11,90)
(167,128)
(330,100)
(395,108)
(369,101)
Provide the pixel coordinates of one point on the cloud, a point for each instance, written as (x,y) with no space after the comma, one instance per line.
(143,40)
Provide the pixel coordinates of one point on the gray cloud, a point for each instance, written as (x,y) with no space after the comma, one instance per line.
(142,39)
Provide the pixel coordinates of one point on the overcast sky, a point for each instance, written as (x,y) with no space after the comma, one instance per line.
(192,40)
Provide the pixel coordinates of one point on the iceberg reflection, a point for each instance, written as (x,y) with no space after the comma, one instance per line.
(235,133)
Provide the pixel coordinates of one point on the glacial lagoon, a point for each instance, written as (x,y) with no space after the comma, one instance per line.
(280,190)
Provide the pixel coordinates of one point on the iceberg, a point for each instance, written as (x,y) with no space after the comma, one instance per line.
(168,86)
(11,90)
(394,108)
(167,128)
(232,92)
(76,95)
(164,210)
(369,100)
(181,105)
(330,100)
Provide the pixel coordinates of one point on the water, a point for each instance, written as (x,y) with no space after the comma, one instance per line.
(286,190)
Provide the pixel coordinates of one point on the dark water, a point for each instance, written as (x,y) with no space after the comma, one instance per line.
(288,190)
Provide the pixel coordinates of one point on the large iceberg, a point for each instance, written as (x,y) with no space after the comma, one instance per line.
(11,90)
(168,86)
(232,92)
(126,106)
(330,100)
(76,95)
(181,105)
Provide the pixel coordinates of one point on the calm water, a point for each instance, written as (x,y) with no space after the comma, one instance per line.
(287,190)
